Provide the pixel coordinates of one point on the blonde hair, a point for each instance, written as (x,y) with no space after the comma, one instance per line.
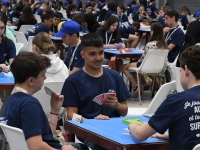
(43,41)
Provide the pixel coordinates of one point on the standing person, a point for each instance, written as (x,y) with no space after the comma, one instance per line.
(69,33)
(178,112)
(156,41)
(122,17)
(109,33)
(81,87)
(22,116)
(130,10)
(42,45)
(173,34)
(27,17)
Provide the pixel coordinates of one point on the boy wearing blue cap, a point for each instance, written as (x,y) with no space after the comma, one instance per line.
(5,6)
(69,33)
(130,10)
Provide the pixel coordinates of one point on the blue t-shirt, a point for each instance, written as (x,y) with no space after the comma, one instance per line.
(109,13)
(78,61)
(180,114)
(161,19)
(103,35)
(184,21)
(37,28)
(177,38)
(126,27)
(25,112)
(123,18)
(150,10)
(80,89)
(39,12)
(83,29)
(135,15)
(129,11)
(7,51)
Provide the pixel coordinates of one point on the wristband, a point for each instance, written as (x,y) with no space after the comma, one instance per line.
(54,114)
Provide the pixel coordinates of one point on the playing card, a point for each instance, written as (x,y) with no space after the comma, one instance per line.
(48,90)
(97,101)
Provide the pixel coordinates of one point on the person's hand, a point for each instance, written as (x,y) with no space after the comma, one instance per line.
(4,68)
(111,101)
(164,136)
(112,46)
(68,147)
(166,29)
(102,117)
(56,102)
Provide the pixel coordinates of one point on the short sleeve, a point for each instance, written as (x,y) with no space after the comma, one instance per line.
(70,94)
(178,38)
(11,50)
(34,121)
(162,119)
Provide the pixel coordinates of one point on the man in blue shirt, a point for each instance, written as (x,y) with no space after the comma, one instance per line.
(179,112)
(40,27)
(27,114)
(69,33)
(84,85)
(130,10)
(135,13)
(174,35)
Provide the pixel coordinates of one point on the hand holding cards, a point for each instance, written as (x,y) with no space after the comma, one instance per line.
(50,92)
(99,99)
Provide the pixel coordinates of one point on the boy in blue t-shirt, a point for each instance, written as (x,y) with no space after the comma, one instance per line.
(69,33)
(151,9)
(27,114)
(179,112)
(174,35)
(84,85)
(127,31)
(40,27)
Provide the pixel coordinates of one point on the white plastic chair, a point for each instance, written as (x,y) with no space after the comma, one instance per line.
(197,147)
(30,39)
(24,28)
(18,47)
(175,61)
(44,99)
(15,137)
(22,39)
(38,18)
(125,40)
(176,77)
(154,64)
(159,98)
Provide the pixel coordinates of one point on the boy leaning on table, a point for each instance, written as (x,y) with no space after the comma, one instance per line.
(180,112)
(25,112)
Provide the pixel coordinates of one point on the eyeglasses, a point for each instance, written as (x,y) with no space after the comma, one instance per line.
(2,27)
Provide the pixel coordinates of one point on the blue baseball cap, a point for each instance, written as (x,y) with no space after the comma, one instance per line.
(136,7)
(129,4)
(5,2)
(65,3)
(68,27)
(169,8)
(198,14)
